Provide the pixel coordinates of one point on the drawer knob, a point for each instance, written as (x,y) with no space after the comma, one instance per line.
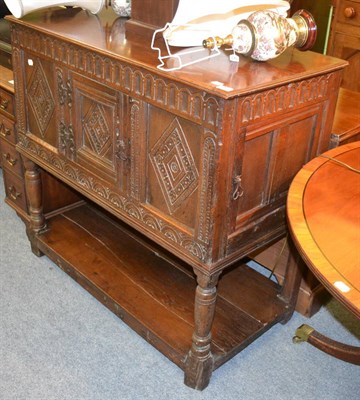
(349,12)
(13,193)
(9,160)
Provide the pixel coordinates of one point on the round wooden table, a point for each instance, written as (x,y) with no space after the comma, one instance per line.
(323,210)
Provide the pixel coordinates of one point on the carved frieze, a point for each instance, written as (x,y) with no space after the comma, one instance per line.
(110,198)
(280,100)
(185,101)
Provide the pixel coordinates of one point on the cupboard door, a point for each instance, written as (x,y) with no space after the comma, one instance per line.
(40,98)
(273,153)
(101,145)
(173,166)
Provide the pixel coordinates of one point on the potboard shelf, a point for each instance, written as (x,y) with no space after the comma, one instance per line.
(130,276)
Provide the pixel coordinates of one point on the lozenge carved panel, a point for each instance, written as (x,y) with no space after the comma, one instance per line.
(40,97)
(174,166)
(95,118)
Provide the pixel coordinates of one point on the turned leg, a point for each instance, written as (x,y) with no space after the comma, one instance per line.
(199,362)
(292,280)
(37,222)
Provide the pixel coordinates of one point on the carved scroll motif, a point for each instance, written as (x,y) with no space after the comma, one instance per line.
(64,90)
(66,140)
(122,148)
(65,132)
(19,98)
(135,148)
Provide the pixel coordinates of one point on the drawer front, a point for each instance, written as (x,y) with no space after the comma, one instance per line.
(15,190)
(7,129)
(10,158)
(6,103)
(349,13)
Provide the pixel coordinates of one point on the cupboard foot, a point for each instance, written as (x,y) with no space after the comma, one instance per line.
(198,369)
(37,223)
(33,242)
(199,362)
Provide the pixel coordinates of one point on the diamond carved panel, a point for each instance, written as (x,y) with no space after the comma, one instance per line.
(174,166)
(40,98)
(97,130)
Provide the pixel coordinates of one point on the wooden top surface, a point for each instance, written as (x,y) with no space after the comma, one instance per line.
(347,115)
(324,216)
(6,79)
(105,33)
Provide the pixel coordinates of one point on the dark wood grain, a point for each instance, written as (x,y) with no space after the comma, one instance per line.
(199,173)
(138,284)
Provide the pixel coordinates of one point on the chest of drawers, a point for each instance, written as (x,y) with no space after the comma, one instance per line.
(180,179)
(344,41)
(10,158)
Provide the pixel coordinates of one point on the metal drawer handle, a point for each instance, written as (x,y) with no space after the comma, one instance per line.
(13,193)
(349,12)
(4,104)
(10,161)
(238,190)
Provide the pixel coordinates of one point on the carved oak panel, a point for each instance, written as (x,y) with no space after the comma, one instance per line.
(95,121)
(201,172)
(269,162)
(174,148)
(40,98)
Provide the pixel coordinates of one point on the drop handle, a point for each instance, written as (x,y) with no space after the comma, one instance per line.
(349,12)
(9,160)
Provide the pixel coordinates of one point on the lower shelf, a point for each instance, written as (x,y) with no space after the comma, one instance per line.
(153,293)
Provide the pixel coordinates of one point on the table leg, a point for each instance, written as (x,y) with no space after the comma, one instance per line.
(345,352)
(37,222)
(292,280)
(199,362)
